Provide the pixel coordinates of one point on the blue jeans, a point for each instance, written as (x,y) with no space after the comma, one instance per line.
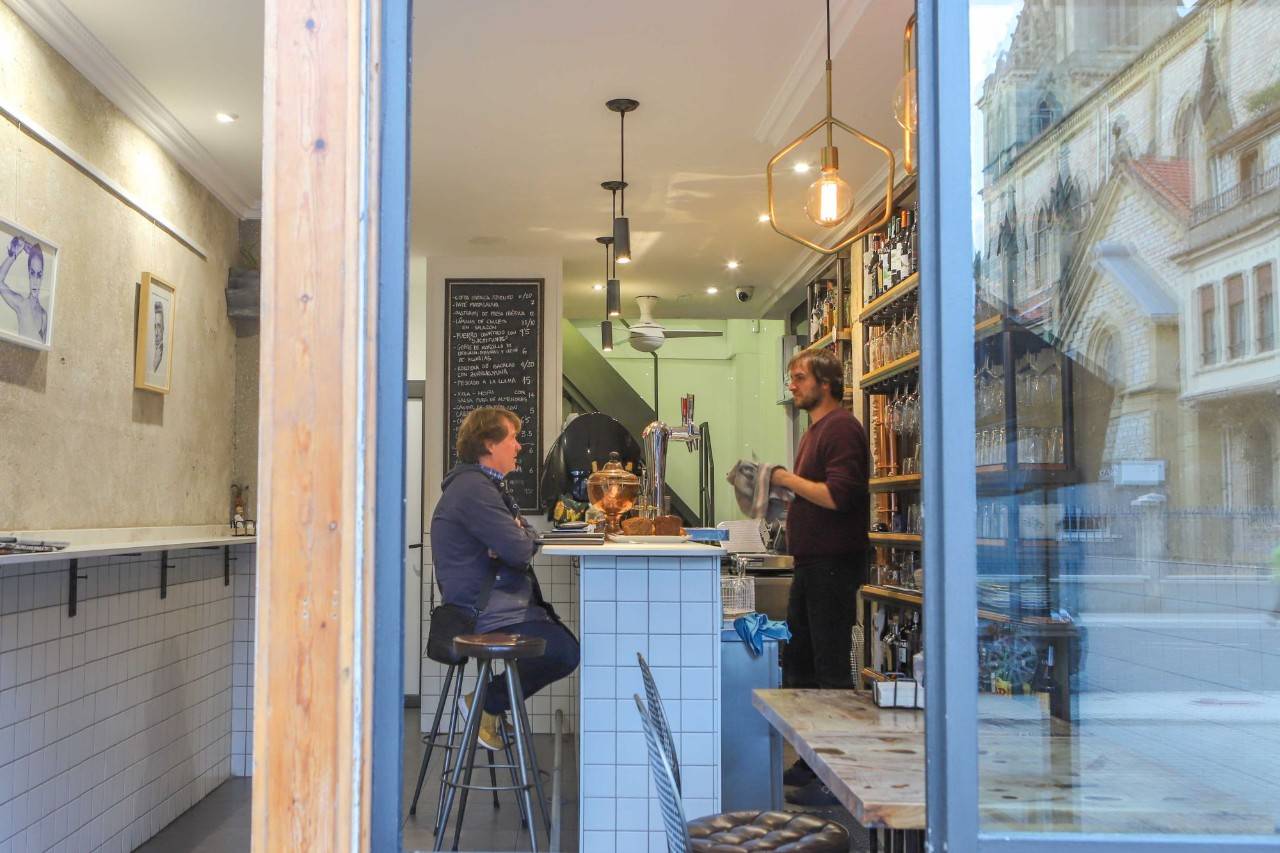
(560,659)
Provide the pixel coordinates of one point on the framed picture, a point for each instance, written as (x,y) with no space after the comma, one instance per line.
(157,306)
(28,284)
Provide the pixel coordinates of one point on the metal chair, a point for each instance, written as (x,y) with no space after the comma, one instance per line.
(487,648)
(729,831)
(658,714)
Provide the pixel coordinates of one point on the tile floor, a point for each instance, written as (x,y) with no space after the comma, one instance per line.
(220,822)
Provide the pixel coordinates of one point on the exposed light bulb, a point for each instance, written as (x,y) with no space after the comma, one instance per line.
(829,200)
(905,106)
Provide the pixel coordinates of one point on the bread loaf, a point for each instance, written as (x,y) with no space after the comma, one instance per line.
(637,526)
(667,525)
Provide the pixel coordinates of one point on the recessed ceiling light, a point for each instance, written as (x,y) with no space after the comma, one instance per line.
(801,168)
(713,290)
(733,265)
(764,217)
(226,118)
(597,287)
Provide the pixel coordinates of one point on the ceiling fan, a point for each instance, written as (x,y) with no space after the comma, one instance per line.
(648,335)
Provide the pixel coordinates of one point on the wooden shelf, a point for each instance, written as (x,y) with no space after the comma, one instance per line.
(897,483)
(892,373)
(988,327)
(891,298)
(830,338)
(901,540)
(884,593)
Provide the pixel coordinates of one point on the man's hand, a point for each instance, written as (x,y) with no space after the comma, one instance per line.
(809,490)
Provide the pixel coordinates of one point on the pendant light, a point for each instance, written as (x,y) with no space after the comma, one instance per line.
(905,104)
(621,225)
(829,199)
(613,289)
(606,336)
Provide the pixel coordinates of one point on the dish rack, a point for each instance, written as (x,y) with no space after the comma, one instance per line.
(737,594)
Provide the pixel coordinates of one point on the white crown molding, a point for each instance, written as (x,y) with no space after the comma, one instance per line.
(806,74)
(64,32)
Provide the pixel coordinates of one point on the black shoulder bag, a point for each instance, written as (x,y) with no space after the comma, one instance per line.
(453,620)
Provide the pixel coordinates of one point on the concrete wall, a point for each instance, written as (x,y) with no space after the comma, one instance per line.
(82,448)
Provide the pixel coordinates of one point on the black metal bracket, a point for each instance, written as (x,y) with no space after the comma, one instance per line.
(164,574)
(227,560)
(73,583)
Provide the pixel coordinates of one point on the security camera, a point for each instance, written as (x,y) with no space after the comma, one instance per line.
(744,293)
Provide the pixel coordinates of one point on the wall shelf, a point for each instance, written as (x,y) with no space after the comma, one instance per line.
(884,593)
(901,297)
(829,338)
(893,373)
(897,540)
(897,483)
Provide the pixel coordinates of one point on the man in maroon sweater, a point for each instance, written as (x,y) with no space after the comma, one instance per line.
(827,535)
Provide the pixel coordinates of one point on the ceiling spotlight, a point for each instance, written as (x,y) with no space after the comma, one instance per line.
(713,290)
(764,217)
(801,168)
(597,287)
(733,265)
(226,118)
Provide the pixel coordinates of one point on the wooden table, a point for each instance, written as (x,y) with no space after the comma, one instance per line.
(1032,776)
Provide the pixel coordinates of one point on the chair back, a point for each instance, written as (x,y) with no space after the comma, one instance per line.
(668,793)
(658,714)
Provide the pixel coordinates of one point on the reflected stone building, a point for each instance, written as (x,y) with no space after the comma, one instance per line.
(1131,207)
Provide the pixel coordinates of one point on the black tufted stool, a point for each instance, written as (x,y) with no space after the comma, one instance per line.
(734,832)
(485,649)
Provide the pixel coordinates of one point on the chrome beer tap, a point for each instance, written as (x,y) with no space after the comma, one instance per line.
(655,438)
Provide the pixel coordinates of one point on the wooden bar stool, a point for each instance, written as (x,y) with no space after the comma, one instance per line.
(485,649)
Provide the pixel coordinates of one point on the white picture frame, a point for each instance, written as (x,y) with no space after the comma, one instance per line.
(26,256)
(157,325)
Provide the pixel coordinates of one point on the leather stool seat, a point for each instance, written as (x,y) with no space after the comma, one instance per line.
(738,832)
(499,646)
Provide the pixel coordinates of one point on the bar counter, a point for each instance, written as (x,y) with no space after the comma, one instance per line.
(663,601)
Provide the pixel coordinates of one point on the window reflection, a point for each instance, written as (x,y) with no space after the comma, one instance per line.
(1126,197)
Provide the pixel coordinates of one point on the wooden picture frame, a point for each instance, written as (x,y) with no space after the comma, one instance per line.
(26,321)
(157,321)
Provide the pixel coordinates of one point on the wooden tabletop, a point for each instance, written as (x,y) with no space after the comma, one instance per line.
(1031,777)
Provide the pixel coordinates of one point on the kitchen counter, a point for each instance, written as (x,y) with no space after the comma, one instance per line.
(662,601)
(111,541)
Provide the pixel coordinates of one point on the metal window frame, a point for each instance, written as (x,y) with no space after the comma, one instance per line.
(950,603)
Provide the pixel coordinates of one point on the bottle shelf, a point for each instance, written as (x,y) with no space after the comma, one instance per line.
(892,374)
(884,593)
(901,297)
(830,338)
(897,483)
(898,540)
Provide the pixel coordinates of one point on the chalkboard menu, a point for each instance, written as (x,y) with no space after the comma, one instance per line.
(493,357)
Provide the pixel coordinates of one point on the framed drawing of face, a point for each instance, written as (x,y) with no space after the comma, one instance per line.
(28,281)
(153,363)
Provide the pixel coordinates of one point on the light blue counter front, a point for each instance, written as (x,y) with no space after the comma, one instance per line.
(662,601)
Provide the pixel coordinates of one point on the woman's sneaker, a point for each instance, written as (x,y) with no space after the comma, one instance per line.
(490,736)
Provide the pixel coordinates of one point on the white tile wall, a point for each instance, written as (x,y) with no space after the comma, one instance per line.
(559,581)
(245,588)
(666,608)
(114,722)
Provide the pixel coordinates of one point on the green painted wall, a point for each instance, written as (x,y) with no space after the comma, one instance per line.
(735,381)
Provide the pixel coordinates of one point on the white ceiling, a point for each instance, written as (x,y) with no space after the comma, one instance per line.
(511,138)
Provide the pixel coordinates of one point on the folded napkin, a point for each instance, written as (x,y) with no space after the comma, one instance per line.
(754,627)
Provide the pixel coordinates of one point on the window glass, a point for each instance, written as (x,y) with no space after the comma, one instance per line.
(1126,526)
(1266,307)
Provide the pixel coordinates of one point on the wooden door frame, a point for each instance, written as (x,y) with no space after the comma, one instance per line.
(331,429)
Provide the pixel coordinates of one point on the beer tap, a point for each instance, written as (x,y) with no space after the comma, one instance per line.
(655,438)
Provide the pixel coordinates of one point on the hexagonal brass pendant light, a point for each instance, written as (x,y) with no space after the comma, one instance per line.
(829,201)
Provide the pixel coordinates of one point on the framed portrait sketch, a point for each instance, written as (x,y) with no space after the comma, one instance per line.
(157,305)
(28,284)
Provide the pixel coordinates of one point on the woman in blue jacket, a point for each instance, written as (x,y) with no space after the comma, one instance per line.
(479,536)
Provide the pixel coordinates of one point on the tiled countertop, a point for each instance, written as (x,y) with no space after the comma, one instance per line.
(621,549)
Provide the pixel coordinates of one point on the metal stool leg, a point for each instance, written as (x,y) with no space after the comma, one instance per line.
(450,743)
(470,745)
(522,714)
(431,738)
(523,748)
(511,766)
(466,753)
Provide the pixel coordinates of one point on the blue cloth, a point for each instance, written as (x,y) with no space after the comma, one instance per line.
(754,627)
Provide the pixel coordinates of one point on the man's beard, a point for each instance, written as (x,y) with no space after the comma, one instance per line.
(805,403)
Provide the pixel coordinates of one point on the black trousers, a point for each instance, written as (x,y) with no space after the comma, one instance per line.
(821,612)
